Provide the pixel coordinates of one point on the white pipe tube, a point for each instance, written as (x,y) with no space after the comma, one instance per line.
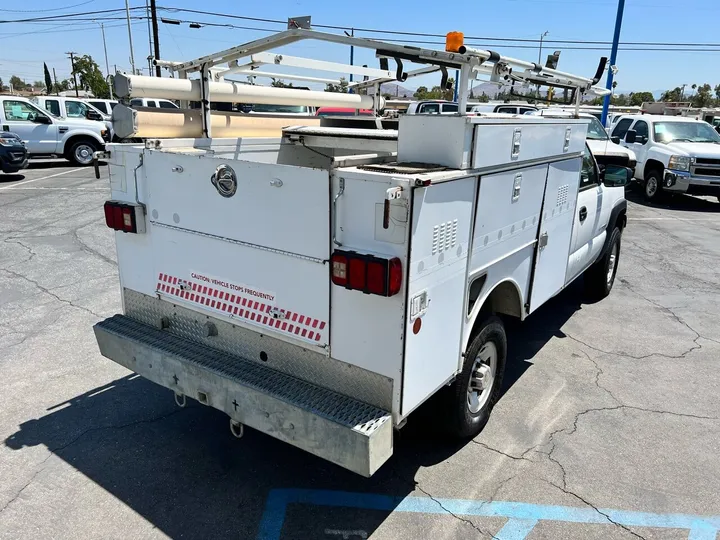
(229,92)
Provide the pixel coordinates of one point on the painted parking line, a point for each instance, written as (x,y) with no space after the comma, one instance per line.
(41,178)
(521,517)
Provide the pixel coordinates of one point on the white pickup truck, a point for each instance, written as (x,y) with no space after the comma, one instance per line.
(674,154)
(73,108)
(321,285)
(45,135)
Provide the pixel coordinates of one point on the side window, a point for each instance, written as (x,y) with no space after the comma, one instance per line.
(507,110)
(76,109)
(429,108)
(167,105)
(19,111)
(588,174)
(112,105)
(136,102)
(449,108)
(643,133)
(525,110)
(53,105)
(622,128)
(100,106)
(151,103)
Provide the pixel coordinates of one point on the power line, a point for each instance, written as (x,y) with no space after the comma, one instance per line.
(51,9)
(424,34)
(65,15)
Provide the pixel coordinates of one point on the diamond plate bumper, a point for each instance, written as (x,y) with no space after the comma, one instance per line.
(338,428)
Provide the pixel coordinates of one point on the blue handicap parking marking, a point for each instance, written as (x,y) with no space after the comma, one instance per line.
(521,517)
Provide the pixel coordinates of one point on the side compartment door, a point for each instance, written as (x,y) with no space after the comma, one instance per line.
(555,234)
(587,227)
(441,221)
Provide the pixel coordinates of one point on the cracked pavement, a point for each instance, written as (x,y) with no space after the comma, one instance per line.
(610,405)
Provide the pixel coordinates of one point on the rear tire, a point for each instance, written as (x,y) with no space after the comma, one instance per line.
(600,277)
(653,188)
(81,152)
(476,389)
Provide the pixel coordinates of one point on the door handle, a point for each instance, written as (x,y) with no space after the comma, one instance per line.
(583,213)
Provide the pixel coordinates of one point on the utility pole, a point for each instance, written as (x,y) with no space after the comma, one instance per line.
(107,64)
(132,55)
(72,62)
(613,59)
(156,40)
(149,31)
(57,89)
(542,36)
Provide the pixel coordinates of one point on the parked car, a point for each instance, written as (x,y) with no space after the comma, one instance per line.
(674,154)
(105,106)
(13,154)
(343,111)
(46,135)
(153,102)
(606,152)
(507,108)
(69,107)
(286,110)
(432,107)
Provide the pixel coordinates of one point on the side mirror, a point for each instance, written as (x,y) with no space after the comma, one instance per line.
(92,115)
(41,119)
(631,136)
(615,139)
(615,175)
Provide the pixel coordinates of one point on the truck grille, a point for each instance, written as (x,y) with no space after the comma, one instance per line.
(707,161)
(706,171)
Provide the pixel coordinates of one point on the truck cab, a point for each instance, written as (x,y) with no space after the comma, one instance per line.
(432,107)
(74,109)
(675,154)
(46,135)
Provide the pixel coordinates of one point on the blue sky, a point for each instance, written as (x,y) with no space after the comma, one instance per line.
(23,47)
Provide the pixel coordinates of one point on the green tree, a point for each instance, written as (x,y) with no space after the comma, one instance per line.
(483,98)
(17,83)
(91,78)
(717,93)
(703,96)
(672,95)
(277,83)
(3,88)
(63,85)
(638,98)
(48,79)
(341,88)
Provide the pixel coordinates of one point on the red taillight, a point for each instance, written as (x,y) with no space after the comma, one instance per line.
(366,273)
(124,217)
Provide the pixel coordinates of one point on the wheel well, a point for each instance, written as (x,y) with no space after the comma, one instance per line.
(77,138)
(653,165)
(504,300)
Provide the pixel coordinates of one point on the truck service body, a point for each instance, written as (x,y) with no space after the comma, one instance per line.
(321,285)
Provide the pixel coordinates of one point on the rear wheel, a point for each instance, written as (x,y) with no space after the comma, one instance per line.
(477,388)
(81,152)
(653,185)
(600,277)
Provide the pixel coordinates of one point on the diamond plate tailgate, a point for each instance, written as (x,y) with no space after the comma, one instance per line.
(330,425)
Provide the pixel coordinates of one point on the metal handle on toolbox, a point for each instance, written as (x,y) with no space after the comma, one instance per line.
(334,210)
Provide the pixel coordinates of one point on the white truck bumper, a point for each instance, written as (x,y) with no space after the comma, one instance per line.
(685,182)
(338,428)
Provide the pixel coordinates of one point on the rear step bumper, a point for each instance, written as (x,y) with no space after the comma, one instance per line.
(332,426)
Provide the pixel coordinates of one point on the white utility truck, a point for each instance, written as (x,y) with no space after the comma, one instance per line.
(320,285)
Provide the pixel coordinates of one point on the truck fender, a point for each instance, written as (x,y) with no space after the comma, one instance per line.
(618,218)
(73,133)
(504,297)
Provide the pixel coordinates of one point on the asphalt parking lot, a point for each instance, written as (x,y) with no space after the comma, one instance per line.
(609,426)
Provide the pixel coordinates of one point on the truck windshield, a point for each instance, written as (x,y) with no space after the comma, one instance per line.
(701,132)
(596,131)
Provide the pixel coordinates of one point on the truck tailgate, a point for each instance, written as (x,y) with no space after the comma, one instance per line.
(254,249)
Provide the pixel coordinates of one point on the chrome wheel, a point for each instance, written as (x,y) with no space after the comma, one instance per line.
(83,153)
(482,377)
(612,261)
(651,187)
